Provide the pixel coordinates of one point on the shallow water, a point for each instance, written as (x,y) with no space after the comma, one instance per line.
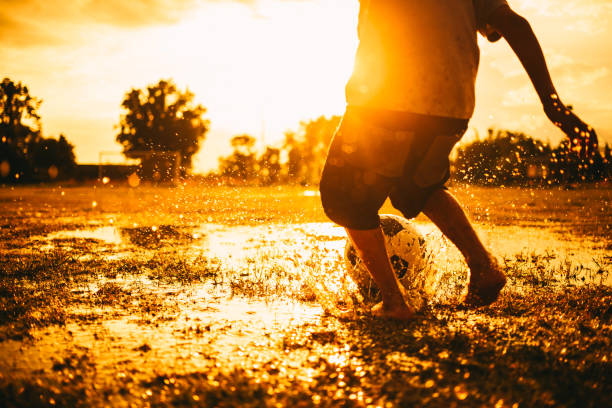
(202,327)
(268,306)
(317,249)
(108,235)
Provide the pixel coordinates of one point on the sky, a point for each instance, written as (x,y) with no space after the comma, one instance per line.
(262,66)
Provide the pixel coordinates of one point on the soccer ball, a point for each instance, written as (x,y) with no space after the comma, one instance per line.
(407,253)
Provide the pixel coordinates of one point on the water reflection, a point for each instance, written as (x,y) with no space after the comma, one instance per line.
(185,342)
(318,248)
(154,236)
(135,317)
(109,235)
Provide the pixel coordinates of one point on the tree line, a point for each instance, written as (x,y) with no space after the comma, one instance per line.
(503,158)
(163,118)
(25,154)
(298,159)
(513,158)
(160,118)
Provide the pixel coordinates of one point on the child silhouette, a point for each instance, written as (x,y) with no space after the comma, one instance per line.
(409,101)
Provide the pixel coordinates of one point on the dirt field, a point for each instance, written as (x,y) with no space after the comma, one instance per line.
(218,296)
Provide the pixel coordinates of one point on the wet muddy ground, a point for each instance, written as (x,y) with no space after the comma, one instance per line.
(217,296)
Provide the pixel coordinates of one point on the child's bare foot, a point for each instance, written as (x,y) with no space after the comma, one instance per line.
(400,312)
(486,281)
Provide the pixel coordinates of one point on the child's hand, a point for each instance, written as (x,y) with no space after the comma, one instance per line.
(583,139)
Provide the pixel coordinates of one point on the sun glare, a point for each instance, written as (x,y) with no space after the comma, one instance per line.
(281,62)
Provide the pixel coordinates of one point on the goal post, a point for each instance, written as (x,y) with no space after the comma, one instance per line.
(154,166)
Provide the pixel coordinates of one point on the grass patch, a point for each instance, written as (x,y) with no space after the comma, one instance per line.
(264,277)
(546,342)
(173,267)
(34,291)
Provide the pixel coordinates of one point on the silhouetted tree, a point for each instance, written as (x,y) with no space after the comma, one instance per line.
(52,159)
(162,118)
(307,149)
(24,154)
(19,128)
(294,156)
(242,163)
(270,166)
(607,162)
(567,167)
(506,158)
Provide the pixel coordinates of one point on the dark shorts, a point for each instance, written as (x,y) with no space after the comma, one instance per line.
(378,154)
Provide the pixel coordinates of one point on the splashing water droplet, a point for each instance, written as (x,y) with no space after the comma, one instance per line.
(460,392)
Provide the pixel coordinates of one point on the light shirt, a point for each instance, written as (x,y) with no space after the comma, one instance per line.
(420,56)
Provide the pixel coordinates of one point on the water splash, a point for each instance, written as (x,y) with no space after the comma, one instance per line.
(306,261)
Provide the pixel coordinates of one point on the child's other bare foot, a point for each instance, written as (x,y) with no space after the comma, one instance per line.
(486,281)
(399,312)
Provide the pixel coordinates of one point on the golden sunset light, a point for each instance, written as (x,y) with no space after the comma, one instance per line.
(305,203)
(261,66)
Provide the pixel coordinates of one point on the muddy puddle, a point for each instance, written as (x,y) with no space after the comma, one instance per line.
(108,302)
(306,261)
(580,258)
(199,329)
(311,252)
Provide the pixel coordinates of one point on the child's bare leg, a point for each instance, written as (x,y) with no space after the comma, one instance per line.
(486,277)
(370,246)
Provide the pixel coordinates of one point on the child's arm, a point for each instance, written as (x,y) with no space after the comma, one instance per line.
(519,35)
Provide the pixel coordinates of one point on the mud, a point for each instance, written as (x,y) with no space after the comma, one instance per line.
(226,297)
